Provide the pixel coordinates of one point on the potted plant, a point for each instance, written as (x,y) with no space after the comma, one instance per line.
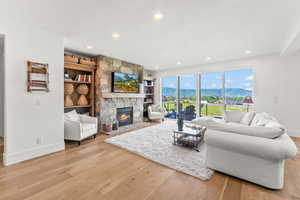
(107,126)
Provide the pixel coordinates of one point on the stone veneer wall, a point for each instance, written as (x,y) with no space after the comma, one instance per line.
(106,108)
(110,106)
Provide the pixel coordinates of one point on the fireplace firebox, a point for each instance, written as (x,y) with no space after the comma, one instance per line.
(125,116)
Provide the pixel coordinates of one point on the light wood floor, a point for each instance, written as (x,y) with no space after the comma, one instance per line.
(97,170)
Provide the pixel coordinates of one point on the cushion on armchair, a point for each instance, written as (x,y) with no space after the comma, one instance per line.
(156,108)
(72,116)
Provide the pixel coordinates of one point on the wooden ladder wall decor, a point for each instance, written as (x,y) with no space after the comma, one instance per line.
(38,77)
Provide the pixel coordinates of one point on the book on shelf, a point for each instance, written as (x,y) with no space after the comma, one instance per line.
(83,78)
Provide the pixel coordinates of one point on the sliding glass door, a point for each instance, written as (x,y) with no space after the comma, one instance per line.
(169,96)
(211,87)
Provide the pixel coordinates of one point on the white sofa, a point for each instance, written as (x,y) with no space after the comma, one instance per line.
(79,127)
(155,112)
(255,152)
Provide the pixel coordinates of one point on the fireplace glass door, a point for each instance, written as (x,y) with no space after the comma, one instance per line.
(125,116)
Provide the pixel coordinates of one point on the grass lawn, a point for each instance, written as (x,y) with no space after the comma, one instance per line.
(212,109)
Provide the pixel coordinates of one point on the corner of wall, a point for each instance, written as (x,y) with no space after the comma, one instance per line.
(9,159)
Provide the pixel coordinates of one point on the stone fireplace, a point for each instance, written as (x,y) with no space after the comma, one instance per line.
(110,107)
(107,103)
(125,116)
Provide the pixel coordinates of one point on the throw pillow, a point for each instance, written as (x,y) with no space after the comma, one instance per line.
(261,119)
(72,116)
(256,119)
(274,124)
(234,116)
(247,118)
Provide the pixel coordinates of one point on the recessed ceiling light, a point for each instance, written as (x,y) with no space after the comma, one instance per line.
(89,46)
(115,35)
(248,52)
(158,16)
(208,58)
(178,63)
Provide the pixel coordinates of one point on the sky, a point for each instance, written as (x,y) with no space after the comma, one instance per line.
(233,79)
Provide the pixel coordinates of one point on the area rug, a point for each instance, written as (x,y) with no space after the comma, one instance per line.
(156,143)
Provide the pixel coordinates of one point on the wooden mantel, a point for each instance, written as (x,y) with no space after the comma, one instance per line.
(122,95)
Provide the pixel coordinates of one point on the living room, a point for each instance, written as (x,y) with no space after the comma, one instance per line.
(149,99)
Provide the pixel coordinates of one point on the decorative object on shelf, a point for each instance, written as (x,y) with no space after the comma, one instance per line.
(180,122)
(87,61)
(248,100)
(69,89)
(38,77)
(67,77)
(71,58)
(83,90)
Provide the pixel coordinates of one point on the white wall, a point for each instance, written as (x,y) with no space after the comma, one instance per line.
(33,122)
(1,86)
(276,84)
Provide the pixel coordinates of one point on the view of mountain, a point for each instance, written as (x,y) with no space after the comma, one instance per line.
(232,92)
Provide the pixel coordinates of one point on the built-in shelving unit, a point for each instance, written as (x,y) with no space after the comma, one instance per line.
(149,83)
(80,72)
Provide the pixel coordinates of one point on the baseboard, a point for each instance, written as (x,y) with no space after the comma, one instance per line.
(12,158)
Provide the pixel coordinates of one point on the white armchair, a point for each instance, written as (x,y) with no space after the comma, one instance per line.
(79,127)
(155,112)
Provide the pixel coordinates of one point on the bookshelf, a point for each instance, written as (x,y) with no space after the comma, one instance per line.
(149,84)
(79,74)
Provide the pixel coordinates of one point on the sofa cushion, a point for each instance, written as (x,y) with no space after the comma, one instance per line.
(280,148)
(257,131)
(234,116)
(247,118)
(234,127)
(207,121)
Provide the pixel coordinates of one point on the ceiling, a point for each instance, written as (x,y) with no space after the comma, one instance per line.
(190,31)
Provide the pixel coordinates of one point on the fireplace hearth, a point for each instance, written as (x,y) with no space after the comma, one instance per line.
(125,116)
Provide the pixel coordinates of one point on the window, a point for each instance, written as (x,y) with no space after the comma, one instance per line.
(211,94)
(216,92)
(238,86)
(169,96)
